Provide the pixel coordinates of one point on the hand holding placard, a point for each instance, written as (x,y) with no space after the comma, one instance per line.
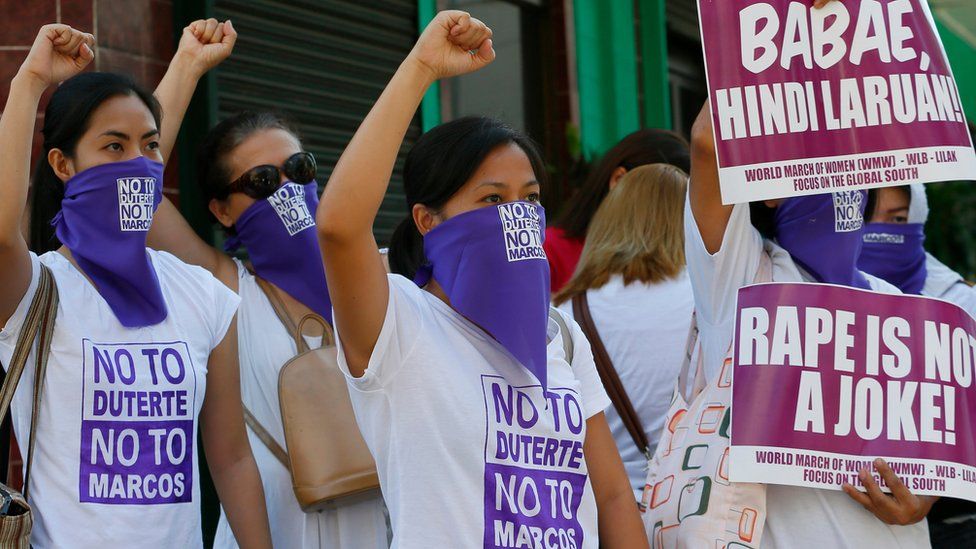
(901,507)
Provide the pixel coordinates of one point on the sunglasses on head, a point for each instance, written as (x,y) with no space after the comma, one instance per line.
(262,181)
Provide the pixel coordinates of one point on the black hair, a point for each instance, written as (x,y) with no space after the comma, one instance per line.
(438,165)
(647,146)
(212,171)
(763,218)
(872,204)
(66,119)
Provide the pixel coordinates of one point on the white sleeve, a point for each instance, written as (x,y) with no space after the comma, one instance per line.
(594,395)
(11,330)
(225,307)
(403,325)
(963,295)
(716,278)
(881,285)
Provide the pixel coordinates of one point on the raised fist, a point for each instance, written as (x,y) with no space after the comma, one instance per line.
(58,53)
(454,43)
(206,43)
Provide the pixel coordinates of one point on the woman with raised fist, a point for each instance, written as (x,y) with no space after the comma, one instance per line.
(143,351)
(259,184)
(482,408)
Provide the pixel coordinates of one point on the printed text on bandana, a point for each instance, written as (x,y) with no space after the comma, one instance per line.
(883,238)
(138,407)
(289,203)
(522,231)
(136,202)
(535,473)
(847,211)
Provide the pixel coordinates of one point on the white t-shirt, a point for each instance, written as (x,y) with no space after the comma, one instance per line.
(265,345)
(644,328)
(115,460)
(944,283)
(796,518)
(469,452)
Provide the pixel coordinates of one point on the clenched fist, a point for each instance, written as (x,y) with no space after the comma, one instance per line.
(454,43)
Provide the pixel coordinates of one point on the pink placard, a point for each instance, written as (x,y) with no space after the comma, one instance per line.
(828,378)
(858,94)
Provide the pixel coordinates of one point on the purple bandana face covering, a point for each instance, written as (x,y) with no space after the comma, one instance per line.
(895,252)
(823,235)
(104,220)
(491,265)
(279,234)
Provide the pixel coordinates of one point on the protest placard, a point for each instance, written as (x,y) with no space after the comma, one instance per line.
(828,378)
(857,94)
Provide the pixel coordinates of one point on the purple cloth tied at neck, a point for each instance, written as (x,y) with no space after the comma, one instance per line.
(491,265)
(895,252)
(822,233)
(104,220)
(279,235)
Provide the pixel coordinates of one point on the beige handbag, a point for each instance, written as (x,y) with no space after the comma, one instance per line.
(16,518)
(327,456)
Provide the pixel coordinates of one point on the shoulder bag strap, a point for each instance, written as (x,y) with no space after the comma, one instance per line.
(690,346)
(328,336)
(564,331)
(266,437)
(38,325)
(279,307)
(608,374)
(764,273)
(43,352)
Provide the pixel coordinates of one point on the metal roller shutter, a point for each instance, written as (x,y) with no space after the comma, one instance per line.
(323,63)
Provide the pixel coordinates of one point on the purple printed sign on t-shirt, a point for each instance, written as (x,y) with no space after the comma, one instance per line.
(828,378)
(535,472)
(856,94)
(137,430)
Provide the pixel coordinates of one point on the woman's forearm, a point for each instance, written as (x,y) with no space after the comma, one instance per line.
(242,497)
(617,515)
(360,179)
(16,131)
(174,93)
(619,522)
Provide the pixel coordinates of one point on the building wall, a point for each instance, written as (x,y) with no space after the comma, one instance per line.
(132,36)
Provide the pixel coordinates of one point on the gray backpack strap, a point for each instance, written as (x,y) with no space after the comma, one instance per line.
(564,330)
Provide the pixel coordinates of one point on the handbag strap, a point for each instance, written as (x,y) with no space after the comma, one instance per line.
(608,374)
(564,330)
(279,308)
(266,438)
(38,325)
(690,346)
(764,273)
(328,337)
(296,331)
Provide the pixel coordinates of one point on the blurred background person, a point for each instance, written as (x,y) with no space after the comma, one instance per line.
(632,275)
(564,240)
(894,249)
